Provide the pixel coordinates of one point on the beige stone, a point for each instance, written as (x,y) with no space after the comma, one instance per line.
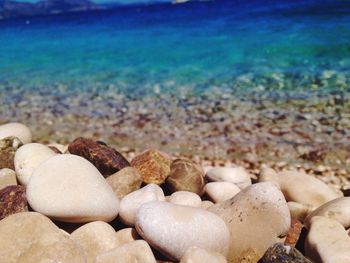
(69,188)
(305,189)
(172,229)
(221,191)
(28,158)
(30,237)
(185,198)
(131,202)
(7,177)
(236,175)
(95,238)
(18,130)
(200,255)
(126,235)
(256,217)
(337,209)
(268,174)
(136,252)
(206,204)
(299,211)
(327,241)
(125,181)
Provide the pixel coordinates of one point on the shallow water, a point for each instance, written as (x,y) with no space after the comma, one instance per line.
(190,47)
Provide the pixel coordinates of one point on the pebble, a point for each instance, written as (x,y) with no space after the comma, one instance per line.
(30,237)
(185,198)
(236,175)
(125,181)
(299,211)
(12,200)
(327,241)
(261,204)
(7,177)
(294,232)
(18,130)
(305,189)
(28,158)
(131,202)
(106,159)
(172,229)
(153,165)
(200,255)
(221,191)
(126,235)
(337,209)
(69,188)
(268,174)
(136,252)
(186,175)
(206,204)
(95,238)
(280,253)
(8,147)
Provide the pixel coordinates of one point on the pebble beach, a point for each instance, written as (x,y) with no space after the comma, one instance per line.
(88,201)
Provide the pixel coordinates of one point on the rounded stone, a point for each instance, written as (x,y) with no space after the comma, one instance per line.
(131,202)
(8,148)
(69,188)
(125,181)
(31,237)
(28,158)
(172,229)
(305,189)
(18,130)
(136,252)
(12,200)
(221,191)
(280,253)
(153,165)
(337,209)
(126,235)
(327,241)
(200,255)
(206,204)
(236,175)
(258,205)
(7,177)
(185,175)
(95,238)
(299,211)
(185,198)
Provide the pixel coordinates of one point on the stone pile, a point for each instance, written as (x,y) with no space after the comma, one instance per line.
(88,203)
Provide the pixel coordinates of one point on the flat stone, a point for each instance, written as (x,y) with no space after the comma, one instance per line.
(106,159)
(12,200)
(7,177)
(258,205)
(236,175)
(131,202)
(280,253)
(136,252)
(28,158)
(186,175)
(69,188)
(153,165)
(337,209)
(299,211)
(125,181)
(8,147)
(95,238)
(30,237)
(221,191)
(185,198)
(305,189)
(294,232)
(327,241)
(18,130)
(172,229)
(200,255)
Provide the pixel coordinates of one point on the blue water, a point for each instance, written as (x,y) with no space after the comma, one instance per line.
(194,46)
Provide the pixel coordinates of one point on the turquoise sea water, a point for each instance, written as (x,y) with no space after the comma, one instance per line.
(194,46)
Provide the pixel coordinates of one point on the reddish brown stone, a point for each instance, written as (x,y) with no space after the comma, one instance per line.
(8,147)
(12,200)
(107,160)
(294,233)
